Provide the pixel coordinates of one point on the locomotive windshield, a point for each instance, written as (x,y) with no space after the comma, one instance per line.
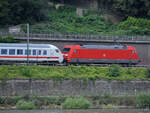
(66,49)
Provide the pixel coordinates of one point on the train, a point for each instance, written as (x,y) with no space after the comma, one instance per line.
(13,52)
(71,54)
(100,54)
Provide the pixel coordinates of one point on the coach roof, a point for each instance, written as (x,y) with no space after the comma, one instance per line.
(25,45)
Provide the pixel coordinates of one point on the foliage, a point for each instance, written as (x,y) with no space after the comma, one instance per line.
(143,100)
(71,72)
(44,17)
(148,72)
(8,39)
(23,105)
(110,106)
(57,101)
(136,26)
(77,102)
(10,100)
(17,11)
(114,70)
(49,100)
(65,20)
(134,8)
(26,71)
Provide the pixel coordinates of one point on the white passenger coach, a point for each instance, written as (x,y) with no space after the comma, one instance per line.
(36,53)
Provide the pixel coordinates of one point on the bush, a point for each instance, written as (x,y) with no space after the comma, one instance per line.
(114,70)
(26,71)
(148,72)
(110,106)
(12,100)
(143,100)
(78,102)
(136,26)
(8,39)
(39,101)
(23,105)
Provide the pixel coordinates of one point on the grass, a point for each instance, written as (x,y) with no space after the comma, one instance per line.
(76,103)
(143,100)
(23,105)
(71,72)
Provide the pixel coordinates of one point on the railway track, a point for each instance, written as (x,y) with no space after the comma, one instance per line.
(78,65)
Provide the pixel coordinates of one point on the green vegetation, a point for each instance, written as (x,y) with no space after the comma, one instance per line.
(45,17)
(114,70)
(127,8)
(107,100)
(72,72)
(15,12)
(8,39)
(110,106)
(69,102)
(136,26)
(143,100)
(77,102)
(65,20)
(23,105)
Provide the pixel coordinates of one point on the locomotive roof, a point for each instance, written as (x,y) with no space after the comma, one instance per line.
(25,45)
(104,47)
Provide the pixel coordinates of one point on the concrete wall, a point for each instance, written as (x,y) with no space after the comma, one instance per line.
(72,87)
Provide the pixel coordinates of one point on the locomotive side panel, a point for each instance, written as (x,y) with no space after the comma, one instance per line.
(121,55)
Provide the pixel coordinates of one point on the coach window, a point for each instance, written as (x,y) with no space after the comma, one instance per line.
(39,52)
(3,51)
(34,52)
(44,52)
(11,51)
(29,52)
(19,52)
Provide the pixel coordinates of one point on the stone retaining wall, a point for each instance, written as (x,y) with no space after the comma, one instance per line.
(72,87)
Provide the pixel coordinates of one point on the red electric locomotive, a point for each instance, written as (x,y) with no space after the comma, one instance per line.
(120,54)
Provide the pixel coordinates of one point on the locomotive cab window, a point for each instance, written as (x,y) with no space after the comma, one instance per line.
(3,51)
(66,49)
(133,52)
(11,51)
(57,51)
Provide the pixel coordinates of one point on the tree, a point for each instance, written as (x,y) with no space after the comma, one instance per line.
(136,8)
(14,12)
(4,16)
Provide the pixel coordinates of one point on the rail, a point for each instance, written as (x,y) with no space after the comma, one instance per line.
(77,65)
(69,36)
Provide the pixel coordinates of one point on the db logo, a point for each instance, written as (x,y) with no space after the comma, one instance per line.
(104,54)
